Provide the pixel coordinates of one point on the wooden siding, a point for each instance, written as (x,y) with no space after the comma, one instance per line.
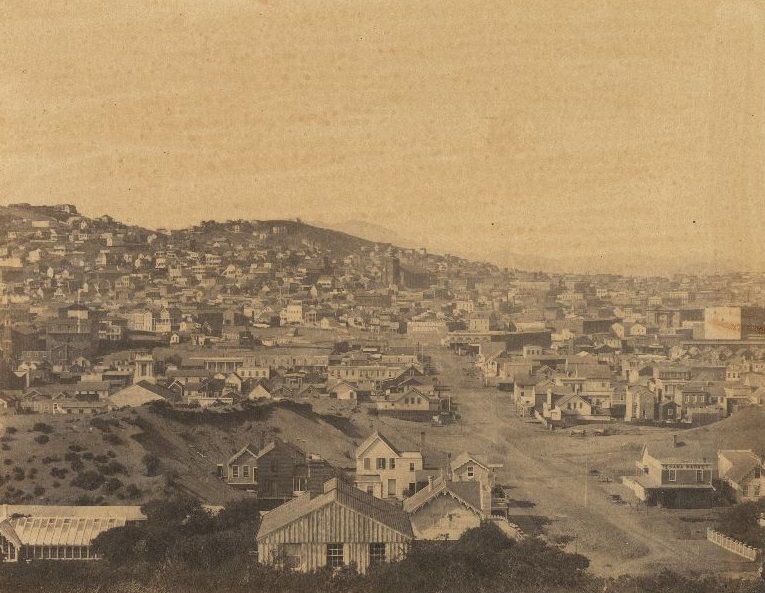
(333,523)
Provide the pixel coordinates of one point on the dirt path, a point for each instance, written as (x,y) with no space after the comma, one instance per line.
(549,481)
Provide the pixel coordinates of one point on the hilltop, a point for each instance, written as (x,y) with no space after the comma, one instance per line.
(278,234)
(743,430)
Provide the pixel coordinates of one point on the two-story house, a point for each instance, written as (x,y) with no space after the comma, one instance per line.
(277,472)
(386,470)
(673,474)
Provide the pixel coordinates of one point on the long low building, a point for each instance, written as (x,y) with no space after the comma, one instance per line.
(44,532)
(339,527)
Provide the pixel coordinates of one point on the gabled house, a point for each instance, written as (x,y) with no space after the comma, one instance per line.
(742,474)
(139,394)
(342,390)
(467,467)
(571,406)
(640,404)
(277,472)
(338,527)
(260,391)
(412,400)
(446,509)
(385,470)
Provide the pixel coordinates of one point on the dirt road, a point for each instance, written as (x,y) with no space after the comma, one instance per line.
(554,491)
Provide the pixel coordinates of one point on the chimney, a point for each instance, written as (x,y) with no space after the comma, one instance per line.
(430,483)
(449,466)
(422,440)
(549,399)
(674,440)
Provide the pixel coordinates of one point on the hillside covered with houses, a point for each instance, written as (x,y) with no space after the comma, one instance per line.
(364,397)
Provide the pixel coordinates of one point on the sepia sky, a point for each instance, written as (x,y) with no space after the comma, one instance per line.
(597,134)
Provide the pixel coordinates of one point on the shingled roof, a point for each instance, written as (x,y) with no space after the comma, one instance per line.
(336,492)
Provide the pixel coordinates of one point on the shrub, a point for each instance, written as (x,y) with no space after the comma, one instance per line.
(8,461)
(75,448)
(77,465)
(42,439)
(112,439)
(42,427)
(101,424)
(87,455)
(39,491)
(18,474)
(31,473)
(47,460)
(72,456)
(111,468)
(86,500)
(101,459)
(152,464)
(6,447)
(59,472)
(132,491)
(11,430)
(88,480)
(112,485)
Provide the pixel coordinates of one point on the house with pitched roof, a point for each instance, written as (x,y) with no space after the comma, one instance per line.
(742,474)
(139,394)
(340,526)
(445,509)
(277,472)
(384,469)
(675,474)
(412,400)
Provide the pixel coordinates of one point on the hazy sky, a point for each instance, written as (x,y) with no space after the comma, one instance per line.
(603,132)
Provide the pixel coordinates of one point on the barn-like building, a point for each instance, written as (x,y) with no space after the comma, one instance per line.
(339,527)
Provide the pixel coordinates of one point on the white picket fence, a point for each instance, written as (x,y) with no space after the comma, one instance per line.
(733,545)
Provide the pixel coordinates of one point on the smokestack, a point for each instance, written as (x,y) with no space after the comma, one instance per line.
(674,440)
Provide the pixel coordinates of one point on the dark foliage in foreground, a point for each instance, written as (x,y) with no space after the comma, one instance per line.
(182,548)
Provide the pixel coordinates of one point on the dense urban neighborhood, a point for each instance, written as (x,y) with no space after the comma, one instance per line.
(330,403)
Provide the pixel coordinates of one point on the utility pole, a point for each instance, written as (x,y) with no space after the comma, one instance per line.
(586,474)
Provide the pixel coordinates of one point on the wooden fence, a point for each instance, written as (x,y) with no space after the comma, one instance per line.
(733,545)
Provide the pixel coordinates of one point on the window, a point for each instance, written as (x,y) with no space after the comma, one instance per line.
(376,554)
(393,463)
(756,473)
(290,556)
(756,490)
(470,471)
(367,463)
(335,558)
(298,484)
(672,475)
(371,490)
(391,487)
(411,467)
(380,463)
(234,471)
(245,471)
(699,475)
